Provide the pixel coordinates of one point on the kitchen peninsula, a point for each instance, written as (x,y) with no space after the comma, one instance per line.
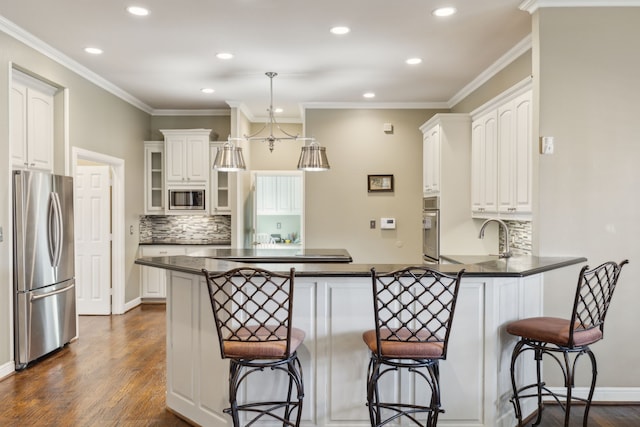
(332,304)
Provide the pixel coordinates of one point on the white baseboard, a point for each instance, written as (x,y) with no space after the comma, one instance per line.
(605,394)
(7,369)
(132,304)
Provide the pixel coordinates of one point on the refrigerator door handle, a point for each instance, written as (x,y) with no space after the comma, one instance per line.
(55,229)
(59,229)
(51,229)
(50,294)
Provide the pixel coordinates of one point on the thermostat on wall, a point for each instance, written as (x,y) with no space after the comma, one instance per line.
(388,223)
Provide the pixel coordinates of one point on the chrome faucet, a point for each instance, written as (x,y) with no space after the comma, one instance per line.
(507,251)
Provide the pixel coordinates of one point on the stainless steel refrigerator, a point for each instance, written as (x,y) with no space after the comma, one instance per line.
(43,264)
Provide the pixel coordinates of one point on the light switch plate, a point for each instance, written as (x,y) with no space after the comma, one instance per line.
(546,145)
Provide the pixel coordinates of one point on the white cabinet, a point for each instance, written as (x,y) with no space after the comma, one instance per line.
(484,181)
(515,156)
(279,194)
(31,123)
(333,312)
(154,280)
(431,160)
(501,162)
(154,177)
(220,190)
(186,156)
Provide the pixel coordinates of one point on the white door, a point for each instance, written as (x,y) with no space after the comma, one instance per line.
(93,239)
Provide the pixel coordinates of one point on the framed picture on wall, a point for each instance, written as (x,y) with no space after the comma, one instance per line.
(379,183)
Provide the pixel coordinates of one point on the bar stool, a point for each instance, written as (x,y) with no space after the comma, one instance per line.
(413,310)
(253,308)
(570,338)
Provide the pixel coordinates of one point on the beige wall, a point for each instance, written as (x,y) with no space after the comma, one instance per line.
(338,207)
(98,122)
(587,68)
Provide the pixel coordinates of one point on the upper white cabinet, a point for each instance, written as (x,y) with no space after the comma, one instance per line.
(154,177)
(186,156)
(280,194)
(502,154)
(515,156)
(431,160)
(220,190)
(31,123)
(445,142)
(484,178)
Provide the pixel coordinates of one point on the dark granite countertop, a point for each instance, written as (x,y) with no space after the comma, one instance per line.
(277,255)
(517,266)
(185,242)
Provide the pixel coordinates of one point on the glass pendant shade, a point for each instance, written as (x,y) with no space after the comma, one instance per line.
(313,158)
(229,158)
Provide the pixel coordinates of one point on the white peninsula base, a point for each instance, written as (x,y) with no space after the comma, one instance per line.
(334,311)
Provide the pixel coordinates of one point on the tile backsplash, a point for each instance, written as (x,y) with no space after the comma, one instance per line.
(216,228)
(520,233)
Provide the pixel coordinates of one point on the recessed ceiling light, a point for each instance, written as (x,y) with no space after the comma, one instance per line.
(207,90)
(369,95)
(93,50)
(340,30)
(444,11)
(278,110)
(138,11)
(224,55)
(414,61)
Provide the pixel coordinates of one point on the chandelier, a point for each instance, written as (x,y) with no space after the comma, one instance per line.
(313,157)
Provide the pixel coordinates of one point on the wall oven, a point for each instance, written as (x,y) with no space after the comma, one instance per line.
(431,229)
(186,199)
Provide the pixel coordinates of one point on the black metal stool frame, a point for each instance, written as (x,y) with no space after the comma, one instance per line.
(591,303)
(440,312)
(231,319)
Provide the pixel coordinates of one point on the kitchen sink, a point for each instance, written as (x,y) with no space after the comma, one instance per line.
(488,260)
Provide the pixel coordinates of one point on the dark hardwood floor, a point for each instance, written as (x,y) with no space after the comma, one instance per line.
(114,375)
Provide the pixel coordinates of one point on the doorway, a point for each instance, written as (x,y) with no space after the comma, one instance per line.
(116,166)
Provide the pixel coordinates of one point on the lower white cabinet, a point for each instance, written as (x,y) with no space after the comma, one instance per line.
(334,312)
(154,280)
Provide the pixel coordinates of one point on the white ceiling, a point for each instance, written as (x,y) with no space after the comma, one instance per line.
(164,59)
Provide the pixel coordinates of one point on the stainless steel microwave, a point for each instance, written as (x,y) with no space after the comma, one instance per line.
(186,199)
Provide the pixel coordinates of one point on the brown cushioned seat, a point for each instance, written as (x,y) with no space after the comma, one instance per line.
(553,330)
(406,347)
(257,349)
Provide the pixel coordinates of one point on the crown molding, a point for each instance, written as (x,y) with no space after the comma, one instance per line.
(502,62)
(40,46)
(375,105)
(215,112)
(533,5)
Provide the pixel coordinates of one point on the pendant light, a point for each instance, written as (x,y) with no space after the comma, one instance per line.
(229,158)
(313,158)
